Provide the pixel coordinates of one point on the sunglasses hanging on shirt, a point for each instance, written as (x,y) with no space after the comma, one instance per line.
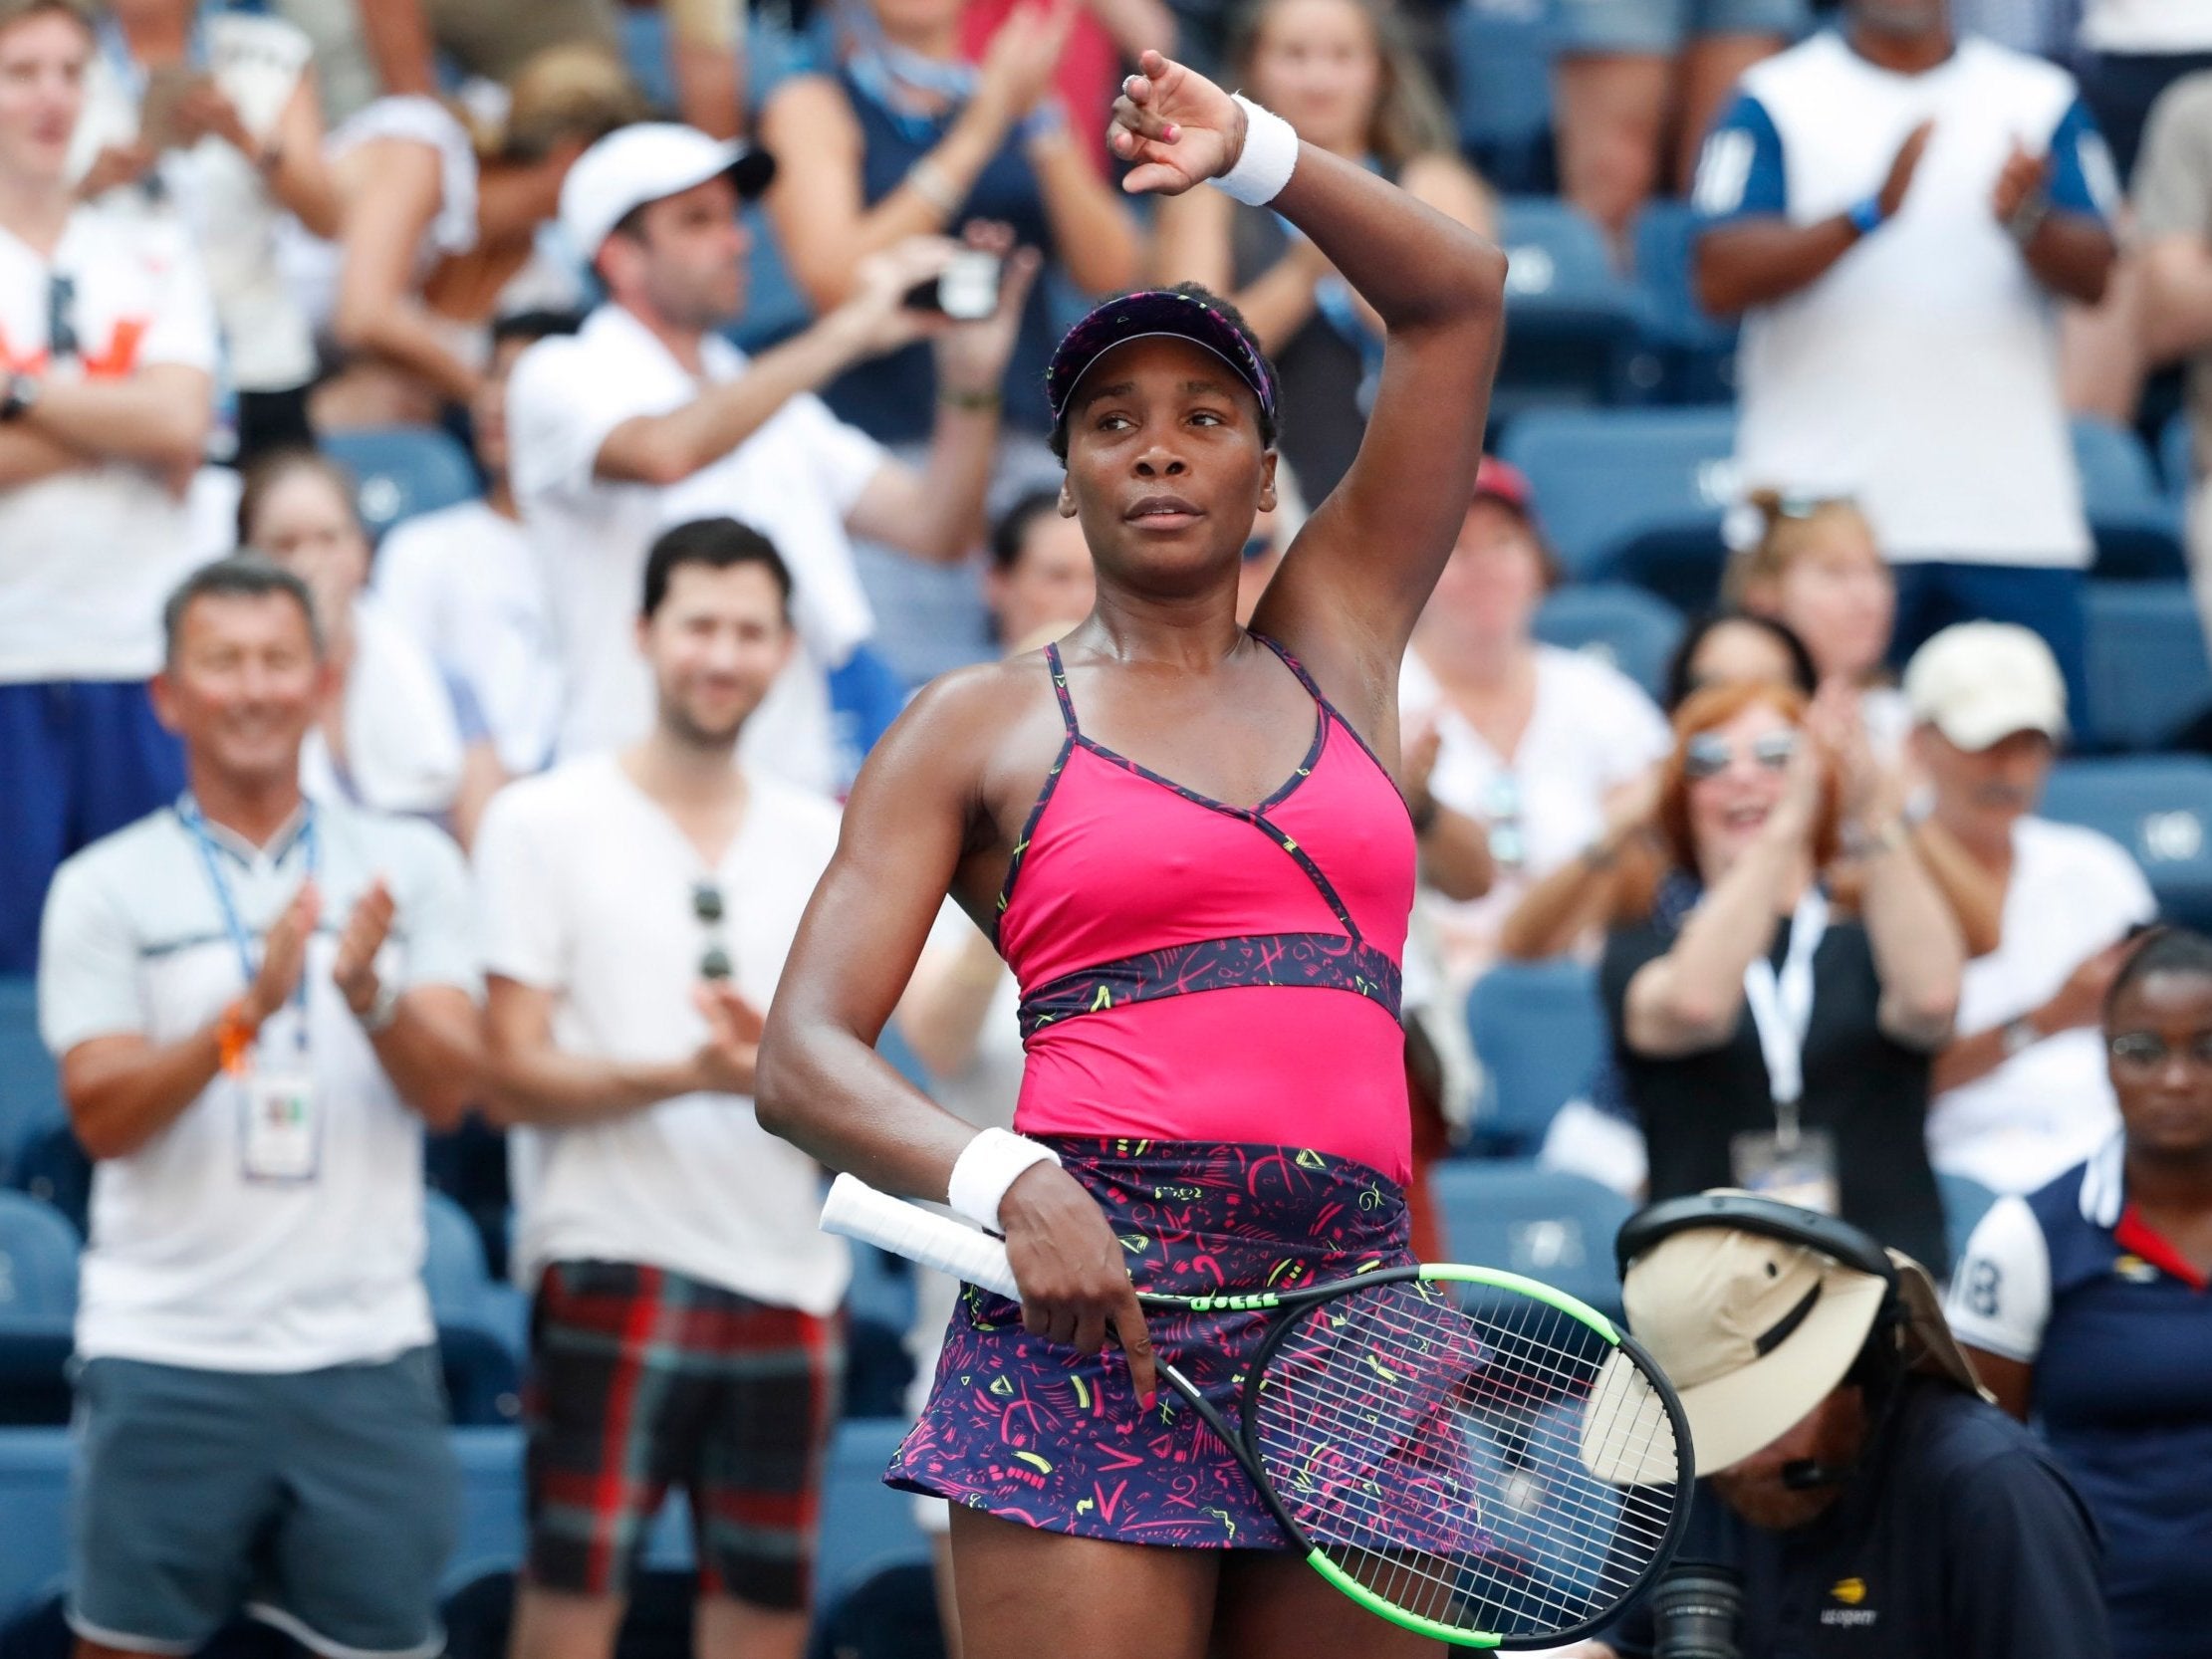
(707,907)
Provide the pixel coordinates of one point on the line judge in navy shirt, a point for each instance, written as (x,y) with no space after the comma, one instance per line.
(1895,211)
(2086,1305)
(1870,1502)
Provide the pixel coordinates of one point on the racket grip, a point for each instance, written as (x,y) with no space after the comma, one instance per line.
(855,1209)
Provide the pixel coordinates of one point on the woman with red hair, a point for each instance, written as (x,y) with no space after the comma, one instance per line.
(1774,1027)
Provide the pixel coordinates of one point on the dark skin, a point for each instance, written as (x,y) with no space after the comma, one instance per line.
(1760,260)
(1166,471)
(2165,1108)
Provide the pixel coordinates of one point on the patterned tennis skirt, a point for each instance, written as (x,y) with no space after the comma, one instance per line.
(1036,1433)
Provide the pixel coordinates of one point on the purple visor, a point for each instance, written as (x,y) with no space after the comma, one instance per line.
(1149,314)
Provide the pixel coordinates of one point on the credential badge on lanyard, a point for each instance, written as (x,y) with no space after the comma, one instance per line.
(1793,1164)
(280,1132)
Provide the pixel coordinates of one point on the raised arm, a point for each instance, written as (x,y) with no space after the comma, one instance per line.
(1356,576)
(379,312)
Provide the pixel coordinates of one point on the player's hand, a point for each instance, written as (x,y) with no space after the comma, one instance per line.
(728,1060)
(354,971)
(1177,126)
(2022,176)
(1069,1265)
(1899,181)
(972,357)
(284,954)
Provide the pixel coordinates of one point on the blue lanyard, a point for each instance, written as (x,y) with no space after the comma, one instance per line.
(195,822)
(879,67)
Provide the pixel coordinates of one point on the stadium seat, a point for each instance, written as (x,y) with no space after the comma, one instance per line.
(645,54)
(1573,324)
(1965,1202)
(2177,458)
(51,1166)
(1697,351)
(1502,84)
(1632,493)
(30,1093)
(2134,521)
(2159,808)
(865,1524)
(1545,1224)
(38,1309)
(1632,630)
(400,471)
(881,1306)
(476,1345)
(34,1513)
(1540,1034)
(2148,674)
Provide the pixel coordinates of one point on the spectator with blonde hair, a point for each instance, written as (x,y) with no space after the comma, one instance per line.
(1339,73)
(1775,1031)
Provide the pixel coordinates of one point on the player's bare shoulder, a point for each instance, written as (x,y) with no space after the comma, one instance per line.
(994,728)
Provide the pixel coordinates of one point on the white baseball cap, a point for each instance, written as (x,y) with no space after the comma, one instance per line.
(1980,682)
(643,163)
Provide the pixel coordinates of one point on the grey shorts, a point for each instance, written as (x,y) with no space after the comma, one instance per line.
(1665,26)
(324,1502)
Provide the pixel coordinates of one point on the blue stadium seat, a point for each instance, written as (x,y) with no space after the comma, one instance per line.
(401,471)
(1502,81)
(30,1093)
(2134,521)
(2148,674)
(2177,458)
(38,1309)
(1697,351)
(1634,492)
(1965,1202)
(2159,808)
(1544,1224)
(1634,630)
(1540,1033)
(476,1345)
(864,1524)
(880,1307)
(1572,324)
(34,1513)
(51,1166)
(645,53)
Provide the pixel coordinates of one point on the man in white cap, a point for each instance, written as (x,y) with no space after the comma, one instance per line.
(1870,1499)
(2020,1094)
(648,417)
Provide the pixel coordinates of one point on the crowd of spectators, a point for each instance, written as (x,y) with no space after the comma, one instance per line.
(1837,952)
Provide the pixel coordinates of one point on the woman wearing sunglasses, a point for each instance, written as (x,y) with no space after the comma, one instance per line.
(1774,1016)
(2085,1303)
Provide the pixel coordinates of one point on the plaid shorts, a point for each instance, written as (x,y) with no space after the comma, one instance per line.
(643,1380)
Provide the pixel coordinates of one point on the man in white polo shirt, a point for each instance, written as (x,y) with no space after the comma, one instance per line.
(1895,211)
(106,344)
(648,417)
(637,909)
(2020,1094)
(257,1001)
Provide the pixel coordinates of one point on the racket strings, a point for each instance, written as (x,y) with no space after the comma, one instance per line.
(1500,1468)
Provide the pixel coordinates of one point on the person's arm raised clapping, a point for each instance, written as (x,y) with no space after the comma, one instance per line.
(1360,570)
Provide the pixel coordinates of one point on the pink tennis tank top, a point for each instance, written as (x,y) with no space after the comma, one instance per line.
(1192,971)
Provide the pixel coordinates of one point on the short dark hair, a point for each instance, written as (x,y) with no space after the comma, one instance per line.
(720,544)
(2161,949)
(13,12)
(533,326)
(1270,431)
(244,574)
(1011,533)
(1803,675)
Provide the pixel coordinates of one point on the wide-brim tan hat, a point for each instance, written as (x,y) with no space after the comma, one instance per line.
(1755,1332)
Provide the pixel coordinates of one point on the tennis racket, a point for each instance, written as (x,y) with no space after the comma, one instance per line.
(1467,1453)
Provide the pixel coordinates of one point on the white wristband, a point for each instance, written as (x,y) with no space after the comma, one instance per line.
(1264,164)
(986,1167)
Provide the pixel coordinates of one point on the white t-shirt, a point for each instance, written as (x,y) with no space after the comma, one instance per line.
(2000,1300)
(796,480)
(233,217)
(1919,372)
(191,1263)
(403,746)
(587,893)
(2151,26)
(464,584)
(88,557)
(2073,892)
(1590,729)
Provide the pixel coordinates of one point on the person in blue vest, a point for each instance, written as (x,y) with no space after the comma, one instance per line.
(2085,1305)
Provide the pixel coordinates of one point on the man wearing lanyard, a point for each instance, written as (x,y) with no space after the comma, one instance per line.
(257,1001)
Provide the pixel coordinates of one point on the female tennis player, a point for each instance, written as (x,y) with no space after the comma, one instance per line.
(1187,844)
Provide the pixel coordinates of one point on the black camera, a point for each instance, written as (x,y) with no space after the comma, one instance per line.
(1695,1610)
